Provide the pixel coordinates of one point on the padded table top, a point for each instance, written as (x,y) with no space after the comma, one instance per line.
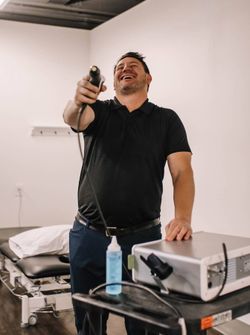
(34,267)
(38,266)
(6,233)
(6,251)
(43,266)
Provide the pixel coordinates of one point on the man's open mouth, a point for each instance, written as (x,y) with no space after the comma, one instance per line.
(127,77)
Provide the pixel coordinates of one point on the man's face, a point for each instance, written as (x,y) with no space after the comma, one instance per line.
(130,77)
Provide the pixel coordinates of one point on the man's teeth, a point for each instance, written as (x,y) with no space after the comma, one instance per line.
(127,77)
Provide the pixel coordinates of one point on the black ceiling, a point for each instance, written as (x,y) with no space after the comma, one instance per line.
(85,14)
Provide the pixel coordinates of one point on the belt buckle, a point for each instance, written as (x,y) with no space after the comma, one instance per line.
(111,231)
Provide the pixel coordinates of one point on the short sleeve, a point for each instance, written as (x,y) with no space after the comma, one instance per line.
(100,109)
(176,137)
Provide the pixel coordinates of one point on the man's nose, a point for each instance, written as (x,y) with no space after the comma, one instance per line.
(126,67)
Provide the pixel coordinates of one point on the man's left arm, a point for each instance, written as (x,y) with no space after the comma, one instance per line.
(183,185)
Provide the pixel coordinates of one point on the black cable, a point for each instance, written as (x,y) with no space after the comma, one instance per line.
(176,297)
(85,169)
(92,186)
(181,319)
(97,80)
(127,271)
(225,274)
(178,314)
(78,129)
(144,288)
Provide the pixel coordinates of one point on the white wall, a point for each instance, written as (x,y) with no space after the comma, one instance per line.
(39,68)
(198,52)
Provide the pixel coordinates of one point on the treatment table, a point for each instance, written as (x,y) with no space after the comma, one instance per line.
(42,282)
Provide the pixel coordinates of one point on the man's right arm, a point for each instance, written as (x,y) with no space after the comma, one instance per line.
(86,94)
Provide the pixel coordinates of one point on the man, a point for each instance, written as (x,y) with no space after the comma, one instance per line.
(128,140)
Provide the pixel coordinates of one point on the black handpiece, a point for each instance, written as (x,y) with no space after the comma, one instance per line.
(95,76)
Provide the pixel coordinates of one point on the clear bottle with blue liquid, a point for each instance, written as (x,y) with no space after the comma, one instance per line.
(113,267)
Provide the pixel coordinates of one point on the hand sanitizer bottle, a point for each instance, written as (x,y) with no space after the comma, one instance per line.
(113,267)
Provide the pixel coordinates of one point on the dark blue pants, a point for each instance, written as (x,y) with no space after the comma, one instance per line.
(88,266)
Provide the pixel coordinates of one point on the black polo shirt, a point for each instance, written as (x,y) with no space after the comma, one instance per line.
(125,154)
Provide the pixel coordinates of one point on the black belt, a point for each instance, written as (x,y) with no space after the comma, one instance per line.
(118,231)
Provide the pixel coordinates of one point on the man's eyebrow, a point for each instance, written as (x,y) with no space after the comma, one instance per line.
(132,62)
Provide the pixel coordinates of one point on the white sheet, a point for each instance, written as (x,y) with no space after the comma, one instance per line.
(44,240)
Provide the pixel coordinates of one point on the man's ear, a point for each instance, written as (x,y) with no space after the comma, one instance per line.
(148,78)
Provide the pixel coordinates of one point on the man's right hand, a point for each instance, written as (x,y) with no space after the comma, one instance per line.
(87,93)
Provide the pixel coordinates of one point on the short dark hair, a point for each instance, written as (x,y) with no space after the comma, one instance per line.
(135,55)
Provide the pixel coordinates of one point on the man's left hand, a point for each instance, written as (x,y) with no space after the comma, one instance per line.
(178,229)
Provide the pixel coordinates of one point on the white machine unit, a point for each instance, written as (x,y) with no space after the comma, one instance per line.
(198,264)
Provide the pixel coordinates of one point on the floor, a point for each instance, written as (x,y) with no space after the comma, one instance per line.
(10,313)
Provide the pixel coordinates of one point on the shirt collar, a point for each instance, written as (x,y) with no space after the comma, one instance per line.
(146,107)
